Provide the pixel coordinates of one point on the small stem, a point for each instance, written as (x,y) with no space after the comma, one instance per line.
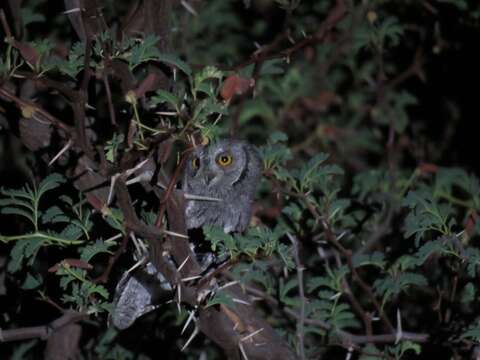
(37,234)
(454,200)
(72,273)
(138,122)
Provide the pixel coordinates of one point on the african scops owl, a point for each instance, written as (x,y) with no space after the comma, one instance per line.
(228,170)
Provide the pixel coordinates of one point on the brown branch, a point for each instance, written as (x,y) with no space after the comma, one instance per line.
(337,13)
(301,293)
(171,187)
(26,105)
(43,331)
(102,279)
(111,109)
(5,26)
(357,307)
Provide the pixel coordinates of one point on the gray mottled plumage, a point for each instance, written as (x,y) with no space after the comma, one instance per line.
(234,184)
(136,293)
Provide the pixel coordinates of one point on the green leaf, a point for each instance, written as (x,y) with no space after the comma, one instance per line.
(392,286)
(89,251)
(24,193)
(22,249)
(29,16)
(208,72)
(256,108)
(220,298)
(165,96)
(375,259)
(370,352)
(49,183)
(285,288)
(75,62)
(89,288)
(22,350)
(54,215)
(144,50)
(174,60)
(468,293)
(112,146)
(32,282)
(19,212)
(472,333)
(71,232)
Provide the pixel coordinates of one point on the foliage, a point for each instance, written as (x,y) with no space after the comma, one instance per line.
(359,243)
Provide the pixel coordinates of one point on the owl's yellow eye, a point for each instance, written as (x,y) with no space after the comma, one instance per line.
(195,162)
(224,160)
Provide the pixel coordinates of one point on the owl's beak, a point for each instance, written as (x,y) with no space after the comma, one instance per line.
(209,176)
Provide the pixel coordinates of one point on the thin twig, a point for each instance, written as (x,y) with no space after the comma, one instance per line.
(301,292)
(347,337)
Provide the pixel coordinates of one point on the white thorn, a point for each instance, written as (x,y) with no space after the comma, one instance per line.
(399,334)
(339,237)
(113,238)
(350,353)
(190,318)
(190,278)
(65,148)
(166,113)
(140,247)
(175,234)
(112,185)
(195,333)
(136,265)
(183,263)
(290,38)
(251,335)
(239,301)
(189,8)
(242,350)
(228,284)
(161,186)
(74,10)
(199,197)
(336,296)
(179,290)
(138,166)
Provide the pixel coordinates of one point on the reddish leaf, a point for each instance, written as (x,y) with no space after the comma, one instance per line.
(71,262)
(321,102)
(428,168)
(330,131)
(28,51)
(235,85)
(148,84)
(470,223)
(95,202)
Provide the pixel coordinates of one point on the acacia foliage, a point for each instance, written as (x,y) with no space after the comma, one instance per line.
(361,243)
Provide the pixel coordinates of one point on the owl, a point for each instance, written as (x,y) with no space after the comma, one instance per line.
(227,170)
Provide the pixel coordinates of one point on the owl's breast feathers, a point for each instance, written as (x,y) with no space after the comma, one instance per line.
(232,213)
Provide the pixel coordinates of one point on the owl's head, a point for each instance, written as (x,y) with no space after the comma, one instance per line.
(222,164)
